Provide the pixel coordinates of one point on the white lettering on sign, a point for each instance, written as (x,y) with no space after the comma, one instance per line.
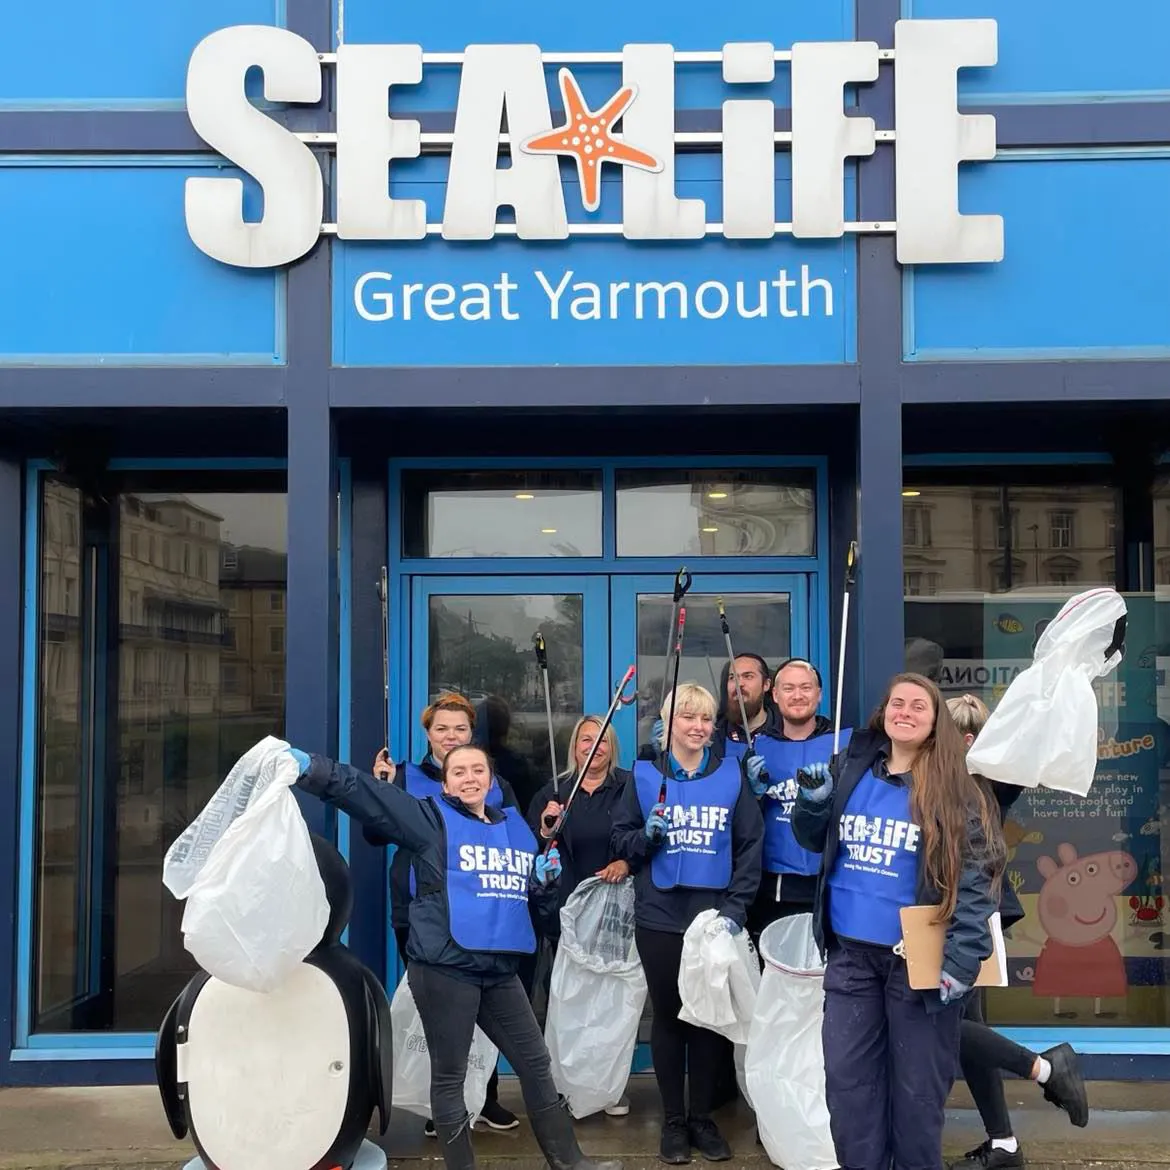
(509,83)
(696,825)
(381,296)
(876,840)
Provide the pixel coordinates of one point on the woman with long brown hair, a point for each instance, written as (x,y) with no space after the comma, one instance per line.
(898,821)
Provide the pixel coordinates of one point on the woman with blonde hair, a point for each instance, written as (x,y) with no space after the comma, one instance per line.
(585,839)
(898,821)
(691,831)
(983,1052)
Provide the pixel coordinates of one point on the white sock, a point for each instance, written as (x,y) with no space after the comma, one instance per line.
(1009,1144)
(1045,1070)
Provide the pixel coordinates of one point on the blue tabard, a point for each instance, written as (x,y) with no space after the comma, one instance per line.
(875,872)
(734,749)
(785,757)
(420,786)
(487,881)
(696,854)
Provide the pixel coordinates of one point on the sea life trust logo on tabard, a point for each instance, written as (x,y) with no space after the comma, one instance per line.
(587,137)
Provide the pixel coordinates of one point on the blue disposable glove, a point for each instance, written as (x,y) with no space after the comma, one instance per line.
(950,988)
(727,924)
(656,734)
(301,758)
(548,866)
(656,825)
(757,774)
(816,781)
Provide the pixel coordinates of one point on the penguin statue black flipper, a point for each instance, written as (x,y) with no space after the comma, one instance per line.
(381,1048)
(166,1071)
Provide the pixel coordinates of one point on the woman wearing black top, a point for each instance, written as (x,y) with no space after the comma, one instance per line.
(983,1052)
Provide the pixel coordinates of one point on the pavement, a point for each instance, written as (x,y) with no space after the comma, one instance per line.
(103,1128)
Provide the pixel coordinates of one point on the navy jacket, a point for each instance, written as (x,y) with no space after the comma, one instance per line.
(586,844)
(816,827)
(400,862)
(672,911)
(416,826)
(1011,910)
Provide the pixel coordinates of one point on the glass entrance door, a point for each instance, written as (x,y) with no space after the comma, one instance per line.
(767,614)
(476,635)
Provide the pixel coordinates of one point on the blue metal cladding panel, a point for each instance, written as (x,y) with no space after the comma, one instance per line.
(102,271)
(820,327)
(692,24)
(75,53)
(1064,50)
(1084,268)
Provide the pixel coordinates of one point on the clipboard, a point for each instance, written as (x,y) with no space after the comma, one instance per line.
(922,948)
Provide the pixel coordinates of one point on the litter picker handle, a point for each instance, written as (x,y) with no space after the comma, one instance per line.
(850,578)
(682,584)
(620,699)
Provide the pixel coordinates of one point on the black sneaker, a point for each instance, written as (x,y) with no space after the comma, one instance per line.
(675,1148)
(707,1139)
(495,1116)
(1065,1088)
(429,1129)
(987,1157)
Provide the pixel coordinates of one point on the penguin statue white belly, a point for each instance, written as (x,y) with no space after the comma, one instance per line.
(288,1079)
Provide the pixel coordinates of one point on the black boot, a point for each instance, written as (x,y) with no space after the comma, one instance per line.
(455,1144)
(704,1135)
(553,1128)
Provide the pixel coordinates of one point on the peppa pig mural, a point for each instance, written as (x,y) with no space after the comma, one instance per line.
(1077,908)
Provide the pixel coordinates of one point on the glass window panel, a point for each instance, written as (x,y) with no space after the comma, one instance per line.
(761,622)
(482,646)
(716,513)
(172,694)
(1002,560)
(501,513)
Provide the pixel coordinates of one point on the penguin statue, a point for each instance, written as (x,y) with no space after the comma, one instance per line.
(289,1079)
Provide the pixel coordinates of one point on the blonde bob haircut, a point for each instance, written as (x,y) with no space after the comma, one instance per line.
(690,699)
(969,713)
(610,738)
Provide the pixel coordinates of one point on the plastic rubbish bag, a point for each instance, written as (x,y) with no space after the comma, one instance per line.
(1044,731)
(596,996)
(785,1062)
(717,978)
(256,904)
(412,1060)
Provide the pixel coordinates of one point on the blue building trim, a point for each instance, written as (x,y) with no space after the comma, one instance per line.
(344,635)
(11,708)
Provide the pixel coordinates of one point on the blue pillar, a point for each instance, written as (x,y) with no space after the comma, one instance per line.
(11,607)
(367,863)
(880,623)
(312,641)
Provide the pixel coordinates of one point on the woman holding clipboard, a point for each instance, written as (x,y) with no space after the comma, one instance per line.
(898,822)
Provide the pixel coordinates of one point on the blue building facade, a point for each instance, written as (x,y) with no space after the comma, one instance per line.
(227,410)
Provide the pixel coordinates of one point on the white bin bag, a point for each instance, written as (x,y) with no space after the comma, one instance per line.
(785,1063)
(412,1060)
(718,978)
(596,996)
(256,904)
(1044,731)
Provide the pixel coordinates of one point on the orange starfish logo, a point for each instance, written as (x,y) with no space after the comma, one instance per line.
(587,136)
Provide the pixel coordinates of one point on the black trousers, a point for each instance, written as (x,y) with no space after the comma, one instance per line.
(983,1053)
(889,1063)
(677,1048)
(526,973)
(450,1008)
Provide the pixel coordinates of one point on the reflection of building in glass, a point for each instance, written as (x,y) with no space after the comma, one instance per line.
(965,538)
(752,519)
(199,652)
